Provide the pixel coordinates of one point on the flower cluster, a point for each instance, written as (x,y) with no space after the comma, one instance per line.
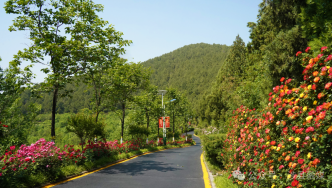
(291,136)
(41,155)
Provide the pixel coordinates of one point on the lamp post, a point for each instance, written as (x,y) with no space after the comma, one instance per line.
(162,93)
(173,117)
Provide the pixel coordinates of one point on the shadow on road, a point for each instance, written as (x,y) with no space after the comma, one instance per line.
(139,167)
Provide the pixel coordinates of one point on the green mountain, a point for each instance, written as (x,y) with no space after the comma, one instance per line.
(190,69)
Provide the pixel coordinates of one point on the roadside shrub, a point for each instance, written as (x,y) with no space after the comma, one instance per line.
(212,145)
(288,143)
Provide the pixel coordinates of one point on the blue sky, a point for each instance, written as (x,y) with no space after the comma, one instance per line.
(156,27)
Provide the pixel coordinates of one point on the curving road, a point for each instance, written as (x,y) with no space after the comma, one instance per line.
(173,168)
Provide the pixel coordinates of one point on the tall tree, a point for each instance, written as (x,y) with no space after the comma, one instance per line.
(67,36)
(125,81)
(148,101)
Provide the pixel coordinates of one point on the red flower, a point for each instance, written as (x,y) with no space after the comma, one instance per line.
(323,48)
(298,53)
(300,161)
(320,95)
(282,79)
(297,153)
(307,50)
(12,147)
(295,183)
(273,143)
(314,86)
(328,85)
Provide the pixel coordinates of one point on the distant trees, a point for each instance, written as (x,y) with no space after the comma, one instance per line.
(191,69)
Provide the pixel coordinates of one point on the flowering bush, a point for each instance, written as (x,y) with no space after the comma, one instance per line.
(288,143)
(40,156)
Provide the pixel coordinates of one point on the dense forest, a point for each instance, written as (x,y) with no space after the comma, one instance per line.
(190,69)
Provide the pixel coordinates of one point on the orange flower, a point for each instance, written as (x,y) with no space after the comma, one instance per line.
(316,161)
(316,79)
(290,164)
(329,130)
(316,59)
(315,73)
(294,165)
(287,158)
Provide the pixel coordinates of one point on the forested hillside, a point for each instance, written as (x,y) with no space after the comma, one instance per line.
(190,69)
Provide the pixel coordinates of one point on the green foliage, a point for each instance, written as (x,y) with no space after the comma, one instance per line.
(84,126)
(212,145)
(190,69)
(91,41)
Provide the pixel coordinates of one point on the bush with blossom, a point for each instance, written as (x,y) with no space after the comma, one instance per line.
(288,143)
(40,156)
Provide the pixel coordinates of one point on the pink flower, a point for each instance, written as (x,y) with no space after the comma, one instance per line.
(281,167)
(27,158)
(307,50)
(307,137)
(298,53)
(323,48)
(258,135)
(329,58)
(297,153)
(310,129)
(320,55)
(267,131)
(267,151)
(12,147)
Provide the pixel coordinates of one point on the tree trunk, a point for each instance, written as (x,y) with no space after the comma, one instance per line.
(55,96)
(123,118)
(147,122)
(173,123)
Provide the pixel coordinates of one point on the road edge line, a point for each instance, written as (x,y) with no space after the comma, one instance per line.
(102,168)
(206,177)
(205,174)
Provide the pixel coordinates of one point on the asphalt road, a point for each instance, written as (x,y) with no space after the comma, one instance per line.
(172,168)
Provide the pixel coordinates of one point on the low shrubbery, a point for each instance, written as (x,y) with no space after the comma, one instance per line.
(212,145)
(42,162)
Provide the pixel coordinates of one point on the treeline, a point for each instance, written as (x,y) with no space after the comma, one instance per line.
(190,69)
(251,70)
(80,98)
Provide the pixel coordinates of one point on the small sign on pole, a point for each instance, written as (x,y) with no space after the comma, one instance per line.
(160,121)
(168,123)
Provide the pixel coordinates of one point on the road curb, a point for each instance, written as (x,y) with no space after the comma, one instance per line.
(85,173)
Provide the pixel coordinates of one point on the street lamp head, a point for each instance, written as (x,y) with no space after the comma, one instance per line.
(162,92)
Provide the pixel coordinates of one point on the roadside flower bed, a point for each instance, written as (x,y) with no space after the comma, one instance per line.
(288,143)
(44,156)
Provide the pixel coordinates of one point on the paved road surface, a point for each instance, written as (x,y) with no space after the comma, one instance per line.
(173,168)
